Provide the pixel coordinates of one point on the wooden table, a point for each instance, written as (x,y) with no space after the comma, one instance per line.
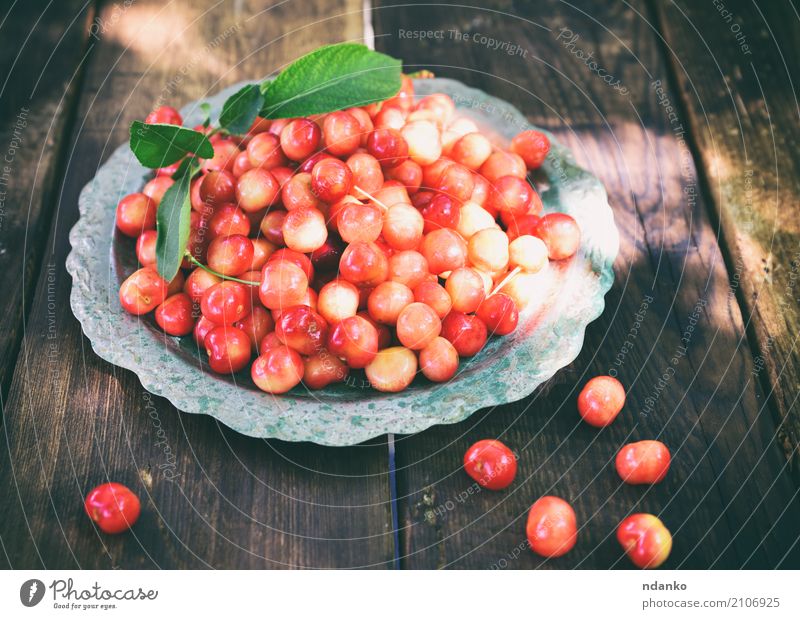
(685,111)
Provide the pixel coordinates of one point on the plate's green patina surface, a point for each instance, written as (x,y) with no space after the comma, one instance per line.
(549,337)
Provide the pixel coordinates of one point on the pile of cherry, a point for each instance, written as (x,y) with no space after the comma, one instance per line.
(393,237)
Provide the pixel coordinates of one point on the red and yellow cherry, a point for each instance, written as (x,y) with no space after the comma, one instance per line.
(331,179)
(226,303)
(256,189)
(304,230)
(645,540)
(277,370)
(438,361)
(432,294)
(323,369)
(643,462)
(268,342)
(499,313)
(264,151)
(601,400)
(501,163)
(300,139)
(230,255)
(302,329)
(392,369)
(146,248)
(164,114)
(225,153)
(156,188)
(283,284)
(201,329)
(551,528)
(409,173)
(142,291)
(358,222)
(355,340)
(491,464)
(388,147)
(471,150)
(301,260)
(466,289)
(441,212)
(175,315)
(467,333)
(560,233)
(218,187)
(387,300)
(367,173)
(408,267)
(114,508)
(444,250)
(364,264)
(403,226)
(297,193)
(272,227)
(135,214)
(417,326)
(198,282)
(227,220)
(256,325)
(228,349)
(338,299)
(262,250)
(341,133)
(510,194)
(532,146)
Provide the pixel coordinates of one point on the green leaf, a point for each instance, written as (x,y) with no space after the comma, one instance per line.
(206,109)
(158,145)
(172,225)
(184,166)
(333,77)
(241,109)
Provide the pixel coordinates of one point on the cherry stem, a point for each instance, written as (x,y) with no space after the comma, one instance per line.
(511,275)
(371,197)
(194,260)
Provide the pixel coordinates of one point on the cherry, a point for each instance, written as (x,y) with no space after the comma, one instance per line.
(551,529)
(228,219)
(501,163)
(355,340)
(441,212)
(198,282)
(277,370)
(308,165)
(304,230)
(217,187)
(367,173)
(323,369)
(256,325)
(169,170)
(338,300)
(465,332)
(392,369)
(491,464)
(499,313)
(283,284)
(201,329)
(241,164)
(230,255)
(532,146)
(455,181)
(438,361)
(301,260)
(601,400)
(225,153)
(644,462)
(388,147)
(560,233)
(268,342)
(409,173)
(114,508)
(262,250)
(135,214)
(146,248)
(444,249)
(341,133)
(387,300)
(487,250)
(175,315)
(331,180)
(228,349)
(272,227)
(465,287)
(471,150)
(358,222)
(364,264)
(527,252)
(424,141)
(408,267)
(302,329)
(142,291)
(298,193)
(164,114)
(417,326)
(264,151)
(645,539)
(522,225)
(432,294)
(157,187)
(225,303)
(326,258)
(510,194)
(256,189)
(440,106)
(300,139)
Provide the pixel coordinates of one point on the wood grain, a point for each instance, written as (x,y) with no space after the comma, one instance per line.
(738,78)
(728,499)
(41,63)
(211,498)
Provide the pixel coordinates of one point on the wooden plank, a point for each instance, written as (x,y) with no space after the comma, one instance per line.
(738,81)
(43,45)
(728,499)
(210,497)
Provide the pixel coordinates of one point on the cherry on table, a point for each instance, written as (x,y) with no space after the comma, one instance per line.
(114,508)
